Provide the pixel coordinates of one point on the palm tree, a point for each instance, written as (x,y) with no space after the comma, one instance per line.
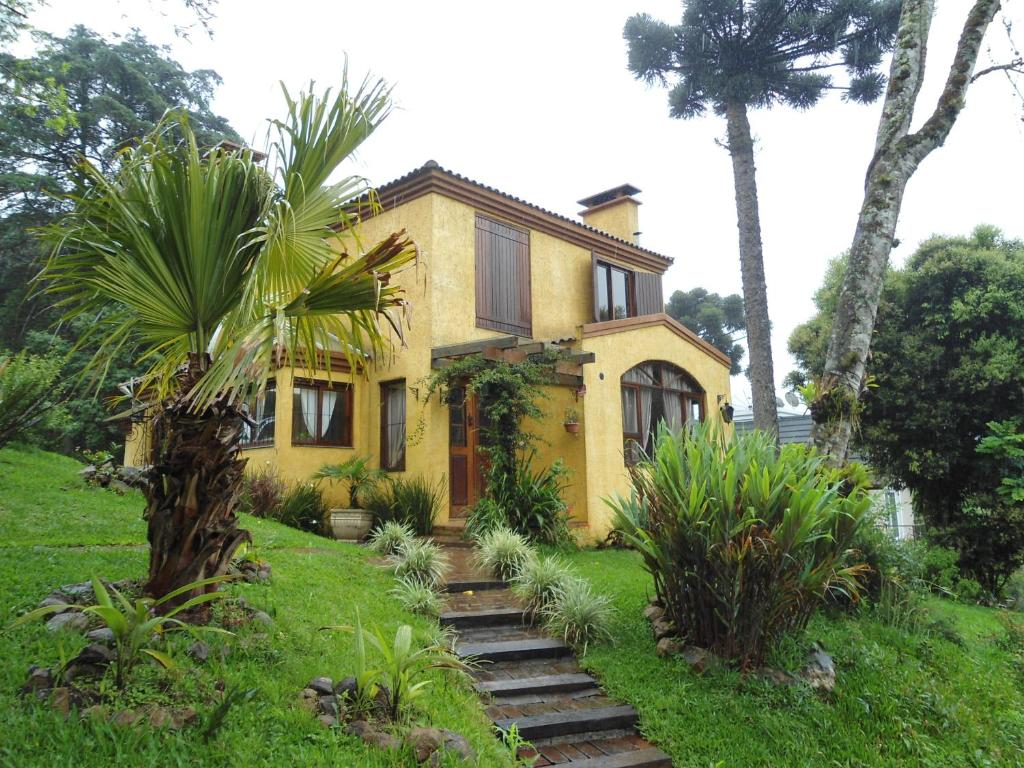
(736,54)
(216,269)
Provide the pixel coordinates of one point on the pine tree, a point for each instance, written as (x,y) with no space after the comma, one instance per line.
(732,55)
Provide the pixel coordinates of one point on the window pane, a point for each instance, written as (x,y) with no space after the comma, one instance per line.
(304,415)
(603,307)
(630,423)
(333,416)
(694,411)
(457,417)
(394,425)
(263,415)
(620,309)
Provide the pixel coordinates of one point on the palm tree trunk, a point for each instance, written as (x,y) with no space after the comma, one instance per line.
(898,153)
(192,495)
(755,293)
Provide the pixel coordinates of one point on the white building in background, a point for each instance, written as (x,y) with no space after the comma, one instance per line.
(894,505)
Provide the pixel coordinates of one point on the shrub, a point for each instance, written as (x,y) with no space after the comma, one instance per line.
(1013,592)
(390,537)
(303,507)
(933,567)
(421,561)
(502,551)
(356,472)
(743,542)
(262,493)
(538,581)
(533,501)
(579,616)
(969,591)
(30,394)
(484,517)
(413,501)
(417,597)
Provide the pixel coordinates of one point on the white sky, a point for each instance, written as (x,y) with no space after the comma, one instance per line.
(535,99)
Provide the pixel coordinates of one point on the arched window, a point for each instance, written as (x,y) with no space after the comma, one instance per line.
(653,392)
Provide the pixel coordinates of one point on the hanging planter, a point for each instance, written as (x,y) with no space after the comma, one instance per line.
(572,421)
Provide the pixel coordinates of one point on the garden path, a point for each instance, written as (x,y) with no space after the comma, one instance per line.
(533,681)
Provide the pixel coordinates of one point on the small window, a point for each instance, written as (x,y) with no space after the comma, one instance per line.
(322,414)
(261,411)
(392,425)
(652,393)
(616,297)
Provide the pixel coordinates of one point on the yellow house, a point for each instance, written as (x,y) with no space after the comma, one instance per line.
(501,277)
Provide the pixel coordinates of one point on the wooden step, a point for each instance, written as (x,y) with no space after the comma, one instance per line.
(544,684)
(556,724)
(651,757)
(474,585)
(515,650)
(493,617)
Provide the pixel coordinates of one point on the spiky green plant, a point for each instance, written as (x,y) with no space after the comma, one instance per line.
(218,268)
(502,552)
(743,542)
(538,581)
(417,597)
(578,615)
(390,537)
(420,560)
(356,472)
(136,624)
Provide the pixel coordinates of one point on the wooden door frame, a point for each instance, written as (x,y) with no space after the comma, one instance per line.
(469,453)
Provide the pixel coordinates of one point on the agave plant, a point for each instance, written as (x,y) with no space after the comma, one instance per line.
(417,597)
(391,537)
(135,624)
(743,542)
(218,270)
(578,615)
(420,560)
(538,582)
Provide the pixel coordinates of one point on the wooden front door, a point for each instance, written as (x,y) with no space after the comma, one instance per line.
(465,464)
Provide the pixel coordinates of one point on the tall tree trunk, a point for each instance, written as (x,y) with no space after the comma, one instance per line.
(755,293)
(898,153)
(193,490)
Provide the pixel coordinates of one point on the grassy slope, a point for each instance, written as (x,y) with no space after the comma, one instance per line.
(901,700)
(47,514)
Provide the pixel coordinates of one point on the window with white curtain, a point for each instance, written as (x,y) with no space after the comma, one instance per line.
(261,412)
(392,425)
(321,413)
(653,393)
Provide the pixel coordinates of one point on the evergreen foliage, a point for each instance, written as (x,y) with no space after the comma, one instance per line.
(716,319)
(948,362)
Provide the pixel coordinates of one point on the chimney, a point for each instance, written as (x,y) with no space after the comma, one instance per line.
(614,211)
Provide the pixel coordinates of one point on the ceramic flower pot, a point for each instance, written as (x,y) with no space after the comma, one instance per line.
(350,524)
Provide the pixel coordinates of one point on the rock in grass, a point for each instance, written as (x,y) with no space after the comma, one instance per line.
(328,721)
(324,686)
(424,742)
(182,717)
(70,621)
(457,743)
(653,612)
(101,635)
(124,718)
(820,671)
(160,718)
(668,646)
(60,700)
(199,651)
(699,659)
(261,617)
(39,679)
(372,736)
(663,628)
(777,676)
(347,689)
(96,711)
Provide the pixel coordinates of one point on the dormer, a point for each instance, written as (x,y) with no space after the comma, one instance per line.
(614,211)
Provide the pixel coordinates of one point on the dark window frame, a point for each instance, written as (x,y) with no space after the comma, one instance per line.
(385,448)
(633,452)
(345,398)
(245,445)
(603,273)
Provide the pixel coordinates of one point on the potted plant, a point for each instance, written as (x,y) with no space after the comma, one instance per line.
(572,421)
(353,523)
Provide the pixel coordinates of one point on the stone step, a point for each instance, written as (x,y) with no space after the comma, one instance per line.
(651,757)
(515,650)
(535,685)
(473,585)
(493,617)
(556,724)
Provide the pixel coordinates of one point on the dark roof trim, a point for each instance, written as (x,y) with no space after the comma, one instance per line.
(431,177)
(648,321)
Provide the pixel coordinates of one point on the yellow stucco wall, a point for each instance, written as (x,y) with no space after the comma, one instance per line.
(619,218)
(616,353)
(441,290)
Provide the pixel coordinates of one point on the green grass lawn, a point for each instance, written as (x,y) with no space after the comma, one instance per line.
(901,699)
(54,530)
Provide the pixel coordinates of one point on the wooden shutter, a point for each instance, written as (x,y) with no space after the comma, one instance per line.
(597,293)
(649,299)
(503,278)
